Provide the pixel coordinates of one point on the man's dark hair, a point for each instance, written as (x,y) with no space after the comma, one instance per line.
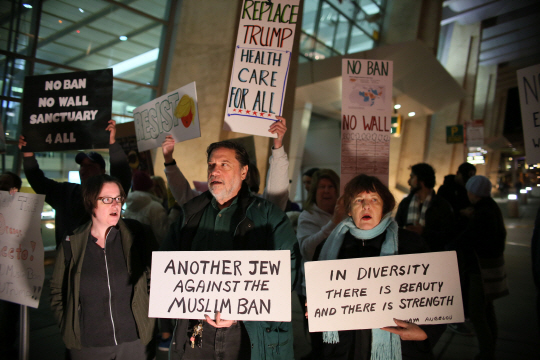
(310,172)
(16,180)
(424,173)
(241,154)
(467,171)
(366,183)
(92,187)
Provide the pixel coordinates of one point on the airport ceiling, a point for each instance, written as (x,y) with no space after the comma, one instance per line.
(510,28)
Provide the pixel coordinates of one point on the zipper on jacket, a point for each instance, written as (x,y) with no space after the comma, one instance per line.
(109,286)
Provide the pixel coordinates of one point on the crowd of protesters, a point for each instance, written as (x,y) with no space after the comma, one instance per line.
(171,216)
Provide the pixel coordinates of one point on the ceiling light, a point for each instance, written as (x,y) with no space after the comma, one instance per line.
(49,226)
(397,106)
(59,21)
(28,6)
(123,38)
(412,113)
(81,10)
(78,31)
(135,62)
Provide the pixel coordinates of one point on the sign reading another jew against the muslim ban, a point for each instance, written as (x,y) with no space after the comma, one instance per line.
(175,114)
(241,285)
(261,65)
(368,293)
(67,111)
(529,98)
(366,118)
(21,248)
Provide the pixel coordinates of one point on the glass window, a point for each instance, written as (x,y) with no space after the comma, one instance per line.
(126,97)
(309,18)
(327,24)
(360,41)
(16,15)
(342,32)
(156,8)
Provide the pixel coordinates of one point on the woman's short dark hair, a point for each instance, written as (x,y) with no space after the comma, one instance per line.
(315,179)
(92,187)
(425,173)
(366,183)
(16,180)
(241,154)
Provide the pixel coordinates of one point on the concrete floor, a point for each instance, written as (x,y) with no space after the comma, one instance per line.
(519,336)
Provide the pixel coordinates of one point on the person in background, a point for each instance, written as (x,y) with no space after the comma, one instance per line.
(481,254)
(425,213)
(322,213)
(10,182)
(277,180)
(9,312)
(369,206)
(160,190)
(306,178)
(65,197)
(85,277)
(453,190)
(146,208)
(229,217)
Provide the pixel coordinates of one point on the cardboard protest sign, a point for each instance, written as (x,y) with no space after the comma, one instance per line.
(261,65)
(67,111)
(366,118)
(368,293)
(175,114)
(21,248)
(242,285)
(528,84)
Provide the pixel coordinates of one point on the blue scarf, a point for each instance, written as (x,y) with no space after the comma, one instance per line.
(384,344)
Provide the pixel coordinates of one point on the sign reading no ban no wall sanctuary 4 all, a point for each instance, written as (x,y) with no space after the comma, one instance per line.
(261,64)
(67,111)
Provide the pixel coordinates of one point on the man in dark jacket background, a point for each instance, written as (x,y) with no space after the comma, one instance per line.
(229,217)
(65,197)
(425,213)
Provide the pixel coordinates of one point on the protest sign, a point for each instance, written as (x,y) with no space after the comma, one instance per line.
(262,59)
(474,133)
(175,114)
(368,293)
(366,113)
(242,285)
(528,84)
(21,248)
(67,111)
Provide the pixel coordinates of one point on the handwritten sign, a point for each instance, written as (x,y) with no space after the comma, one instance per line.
(528,84)
(175,114)
(67,111)
(369,293)
(21,248)
(366,122)
(242,285)
(261,65)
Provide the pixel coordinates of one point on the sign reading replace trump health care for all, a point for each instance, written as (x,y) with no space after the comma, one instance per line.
(529,98)
(175,114)
(21,248)
(261,65)
(368,293)
(67,111)
(242,285)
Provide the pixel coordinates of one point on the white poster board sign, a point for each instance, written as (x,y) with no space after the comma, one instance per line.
(175,114)
(242,285)
(528,84)
(368,293)
(366,118)
(475,133)
(21,248)
(261,64)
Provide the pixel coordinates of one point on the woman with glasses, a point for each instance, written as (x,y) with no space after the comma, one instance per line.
(99,288)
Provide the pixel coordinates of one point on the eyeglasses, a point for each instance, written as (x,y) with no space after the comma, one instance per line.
(109,200)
